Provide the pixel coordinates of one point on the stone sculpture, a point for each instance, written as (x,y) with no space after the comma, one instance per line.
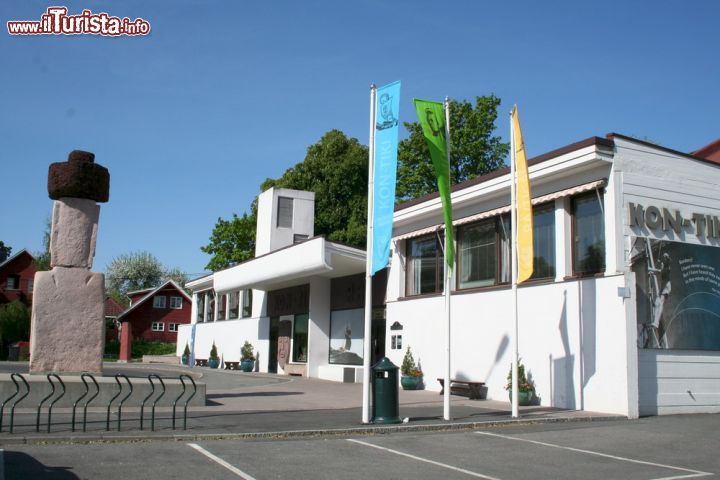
(67,331)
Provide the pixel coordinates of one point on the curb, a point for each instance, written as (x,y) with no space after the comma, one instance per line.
(289,434)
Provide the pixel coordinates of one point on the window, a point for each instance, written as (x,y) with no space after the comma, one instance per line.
(222,301)
(544,241)
(158,326)
(200,307)
(424,266)
(300,338)
(589,234)
(297,238)
(285,212)
(159,301)
(173,327)
(176,303)
(484,253)
(234,304)
(31,285)
(246,303)
(13,282)
(210,299)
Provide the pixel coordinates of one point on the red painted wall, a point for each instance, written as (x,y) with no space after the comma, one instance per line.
(24,266)
(144,315)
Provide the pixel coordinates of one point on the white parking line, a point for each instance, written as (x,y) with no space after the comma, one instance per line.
(444,465)
(692,473)
(220,461)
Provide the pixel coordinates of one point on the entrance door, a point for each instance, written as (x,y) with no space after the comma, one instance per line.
(283,341)
(273,353)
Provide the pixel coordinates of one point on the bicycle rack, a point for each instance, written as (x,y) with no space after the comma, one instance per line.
(152,392)
(186,401)
(17,391)
(120,389)
(87,391)
(50,407)
(150,377)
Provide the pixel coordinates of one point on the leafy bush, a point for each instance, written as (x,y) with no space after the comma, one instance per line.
(142,347)
(246,351)
(213,352)
(409,368)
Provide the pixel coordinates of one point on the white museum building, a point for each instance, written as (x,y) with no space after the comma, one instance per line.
(622,314)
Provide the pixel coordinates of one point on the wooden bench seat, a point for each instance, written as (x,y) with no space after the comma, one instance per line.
(472,389)
(232,365)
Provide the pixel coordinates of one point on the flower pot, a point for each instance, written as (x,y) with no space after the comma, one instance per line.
(411,383)
(184,359)
(213,362)
(247,365)
(524,397)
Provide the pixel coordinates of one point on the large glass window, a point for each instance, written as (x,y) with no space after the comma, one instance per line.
(484,253)
(589,234)
(300,338)
(246,303)
(234,304)
(347,334)
(200,307)
(477,255)
(544,241)
(222,302)
(424,266)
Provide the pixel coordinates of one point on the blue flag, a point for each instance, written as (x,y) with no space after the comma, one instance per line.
(387,110)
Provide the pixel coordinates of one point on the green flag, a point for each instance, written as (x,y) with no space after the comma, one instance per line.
(432,119)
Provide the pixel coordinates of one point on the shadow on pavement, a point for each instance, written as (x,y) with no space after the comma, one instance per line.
(22,466)
(210,396)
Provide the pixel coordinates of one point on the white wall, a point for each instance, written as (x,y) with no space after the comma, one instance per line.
(319,325)
(269,236)
(679,381)
(572,340)
(669,381)
(229,336)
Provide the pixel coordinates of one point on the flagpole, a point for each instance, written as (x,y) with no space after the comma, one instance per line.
(513,262)
(448,274)
(367,339)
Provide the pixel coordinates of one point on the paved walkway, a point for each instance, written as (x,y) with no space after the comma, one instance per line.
(251,405)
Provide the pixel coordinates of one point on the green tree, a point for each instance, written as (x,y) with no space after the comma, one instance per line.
(42,257)
(231,242)
(474,150)
(4,251)
(335,168)
(14,322)
(137,271)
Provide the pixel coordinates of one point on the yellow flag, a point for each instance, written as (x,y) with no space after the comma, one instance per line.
(524,207)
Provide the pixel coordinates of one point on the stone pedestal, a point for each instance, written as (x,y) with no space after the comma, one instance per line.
(68,321)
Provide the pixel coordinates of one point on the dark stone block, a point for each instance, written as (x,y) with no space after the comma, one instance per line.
(79,177)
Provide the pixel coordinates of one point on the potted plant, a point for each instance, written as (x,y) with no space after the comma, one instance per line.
(214,360)
(526,387)
(247,357)
(411,375)
(186,355)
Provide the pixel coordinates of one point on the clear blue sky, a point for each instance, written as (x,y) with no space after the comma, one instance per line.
(221,95)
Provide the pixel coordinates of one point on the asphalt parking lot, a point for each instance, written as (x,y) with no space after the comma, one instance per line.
(672,447)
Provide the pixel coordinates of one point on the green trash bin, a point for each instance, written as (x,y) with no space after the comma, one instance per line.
(385,407)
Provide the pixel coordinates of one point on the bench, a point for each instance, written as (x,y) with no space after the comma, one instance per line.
(472,389)
(201,362)
(232,365)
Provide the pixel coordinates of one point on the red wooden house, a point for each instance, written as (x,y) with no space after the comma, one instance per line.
(155,314)
(16,278)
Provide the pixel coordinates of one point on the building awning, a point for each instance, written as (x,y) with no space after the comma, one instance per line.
(292,266)
(586,187)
